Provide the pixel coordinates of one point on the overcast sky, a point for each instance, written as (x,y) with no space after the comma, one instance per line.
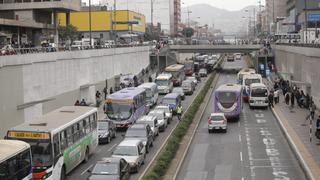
(225,4)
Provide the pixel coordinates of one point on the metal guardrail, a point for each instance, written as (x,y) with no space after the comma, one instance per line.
(299,45)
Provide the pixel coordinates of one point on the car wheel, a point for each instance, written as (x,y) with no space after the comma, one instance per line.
(114,134)
(225,131)
(108,139)
(147,149)
(209,131)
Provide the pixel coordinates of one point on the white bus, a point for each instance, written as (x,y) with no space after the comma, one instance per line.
(258,96)
(247,80)
(59,140)
(177,71)
(242,72)
(164,82)
(15,160)
(151,93)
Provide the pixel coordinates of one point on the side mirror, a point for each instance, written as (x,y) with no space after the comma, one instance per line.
(89,170)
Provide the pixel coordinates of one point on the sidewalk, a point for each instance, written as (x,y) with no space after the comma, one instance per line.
(297,130)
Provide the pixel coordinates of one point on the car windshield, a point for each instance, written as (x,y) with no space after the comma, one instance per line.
(177,90)
(106,169)
(259,93)
(216,118)
(250,81)
(103,125)
(227,99)
(162,82)
(165,109)
(158,115)
(186,84)
(118,112)
(169,101)
(136,133)
(147,122)
(203,71)
(191,78)
(126,151)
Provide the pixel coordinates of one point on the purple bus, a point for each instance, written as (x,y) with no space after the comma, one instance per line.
(228,100)
(124,107)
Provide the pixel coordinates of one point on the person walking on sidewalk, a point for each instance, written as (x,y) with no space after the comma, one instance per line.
(270,98)
(318,128)
(179,112)
(276,96)
(292,100)
(287,98)
(105,92)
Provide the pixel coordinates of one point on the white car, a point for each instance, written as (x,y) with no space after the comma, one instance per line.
(153,123)
(162,119)
(166,110)
(217,121)
(193,79)
(133,151)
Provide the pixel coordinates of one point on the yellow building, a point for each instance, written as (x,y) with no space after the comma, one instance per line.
(101,22)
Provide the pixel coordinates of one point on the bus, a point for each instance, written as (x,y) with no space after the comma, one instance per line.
(164,82)
(188,68)
(60,140)
(228,100)
(15,160)
(247,80)
(124,107)
(177,71)
(258,96)
(151,93)
(244,71)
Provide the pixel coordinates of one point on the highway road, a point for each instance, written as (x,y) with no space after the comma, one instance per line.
(253,148)
(80,172)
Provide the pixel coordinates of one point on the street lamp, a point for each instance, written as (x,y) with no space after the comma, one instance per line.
(189,12)
(90,31)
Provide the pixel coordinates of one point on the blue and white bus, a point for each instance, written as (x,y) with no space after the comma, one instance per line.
(124,107)
(15,160)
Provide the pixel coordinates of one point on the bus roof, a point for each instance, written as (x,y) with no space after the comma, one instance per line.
(174,67)
(147,85)
(171,96)
(164,76)
(126,93)
(56,119)
(252,76)
(9,148)
(258,85)
(250,70)
(229,87)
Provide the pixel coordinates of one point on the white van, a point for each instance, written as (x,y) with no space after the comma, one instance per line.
(164,82)
(151,93)
(258,96)
(153,123)
(247,80)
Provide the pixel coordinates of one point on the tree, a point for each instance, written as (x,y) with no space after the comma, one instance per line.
(188,32)
(68,32)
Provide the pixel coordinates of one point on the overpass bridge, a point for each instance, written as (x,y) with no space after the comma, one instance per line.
(215,48)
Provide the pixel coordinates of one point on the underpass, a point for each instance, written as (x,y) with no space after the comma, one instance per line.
(253,148)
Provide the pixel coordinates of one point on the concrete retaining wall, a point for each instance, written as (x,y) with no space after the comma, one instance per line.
(58,79)
(303,64)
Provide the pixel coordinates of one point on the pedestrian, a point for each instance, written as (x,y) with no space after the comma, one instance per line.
(105,92)
(292,100)
(150,79)
(111,90)
(318,128)
(276,96)
(83,103)
(179,111)
(98,98)
(270,98)
(312,110)
(77,103)
(287,98)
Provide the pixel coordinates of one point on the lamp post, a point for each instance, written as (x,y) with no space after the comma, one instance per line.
(306,20)
(90,30)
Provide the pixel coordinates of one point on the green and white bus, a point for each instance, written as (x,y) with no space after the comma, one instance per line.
(59,140)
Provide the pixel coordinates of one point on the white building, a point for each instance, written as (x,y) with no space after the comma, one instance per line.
(163,11)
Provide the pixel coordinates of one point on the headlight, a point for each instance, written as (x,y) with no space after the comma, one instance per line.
(133,164)
(144,143)
(161,122)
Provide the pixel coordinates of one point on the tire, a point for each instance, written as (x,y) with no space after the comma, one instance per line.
(86,156)
(63,173)
(114,134)
(209,131)
(108,139)
(225,130)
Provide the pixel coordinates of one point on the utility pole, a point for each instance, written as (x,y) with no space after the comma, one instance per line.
(273,20)
(189,12)
(152,2)
(90,30)
(306,20)
(254,22)
(115,21)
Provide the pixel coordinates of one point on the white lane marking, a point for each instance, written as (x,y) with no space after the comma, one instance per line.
(112,147)
(86,170)
(259,115)
(239,124)
(239,137)
(241,156)
(242,178)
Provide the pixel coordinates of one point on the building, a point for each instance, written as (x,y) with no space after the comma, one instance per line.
(165,12)
(32,21)
(124,22)
(274,9)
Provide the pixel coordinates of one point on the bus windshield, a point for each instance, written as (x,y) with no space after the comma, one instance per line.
(227,99)
(41,153)
(162,82)
(119,112)
(250,81)
(259,93)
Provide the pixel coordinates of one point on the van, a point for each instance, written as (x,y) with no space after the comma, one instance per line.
(172,100)
(188,87)
(152,121)
(164,83)
(258,96)
(151,93)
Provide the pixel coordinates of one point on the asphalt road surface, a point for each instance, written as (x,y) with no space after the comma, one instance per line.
(80,172)
(253,148)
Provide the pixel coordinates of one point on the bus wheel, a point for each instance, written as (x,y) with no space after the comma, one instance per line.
(63,173)
(86,156)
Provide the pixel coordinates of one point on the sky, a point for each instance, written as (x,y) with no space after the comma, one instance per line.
(231,5)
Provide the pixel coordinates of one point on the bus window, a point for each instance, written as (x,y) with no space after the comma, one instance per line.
(75,133)
(63,139)
(70,136)
(56,148)
(87,125)
(81,129)
(93,121)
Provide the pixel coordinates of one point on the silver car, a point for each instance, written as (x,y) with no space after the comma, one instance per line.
(193,79)
(166,110)
(133,151)
(162,119)
(179,90)
(217,121)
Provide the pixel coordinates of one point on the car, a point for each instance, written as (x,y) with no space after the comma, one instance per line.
(217,121)
(162,119)
(172,100)
(110,168)
(179,90)
(152,121)
(166,110)
(142,132)
(106,131)
(188,87)
(203,72)
(133,151)
(193,79)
